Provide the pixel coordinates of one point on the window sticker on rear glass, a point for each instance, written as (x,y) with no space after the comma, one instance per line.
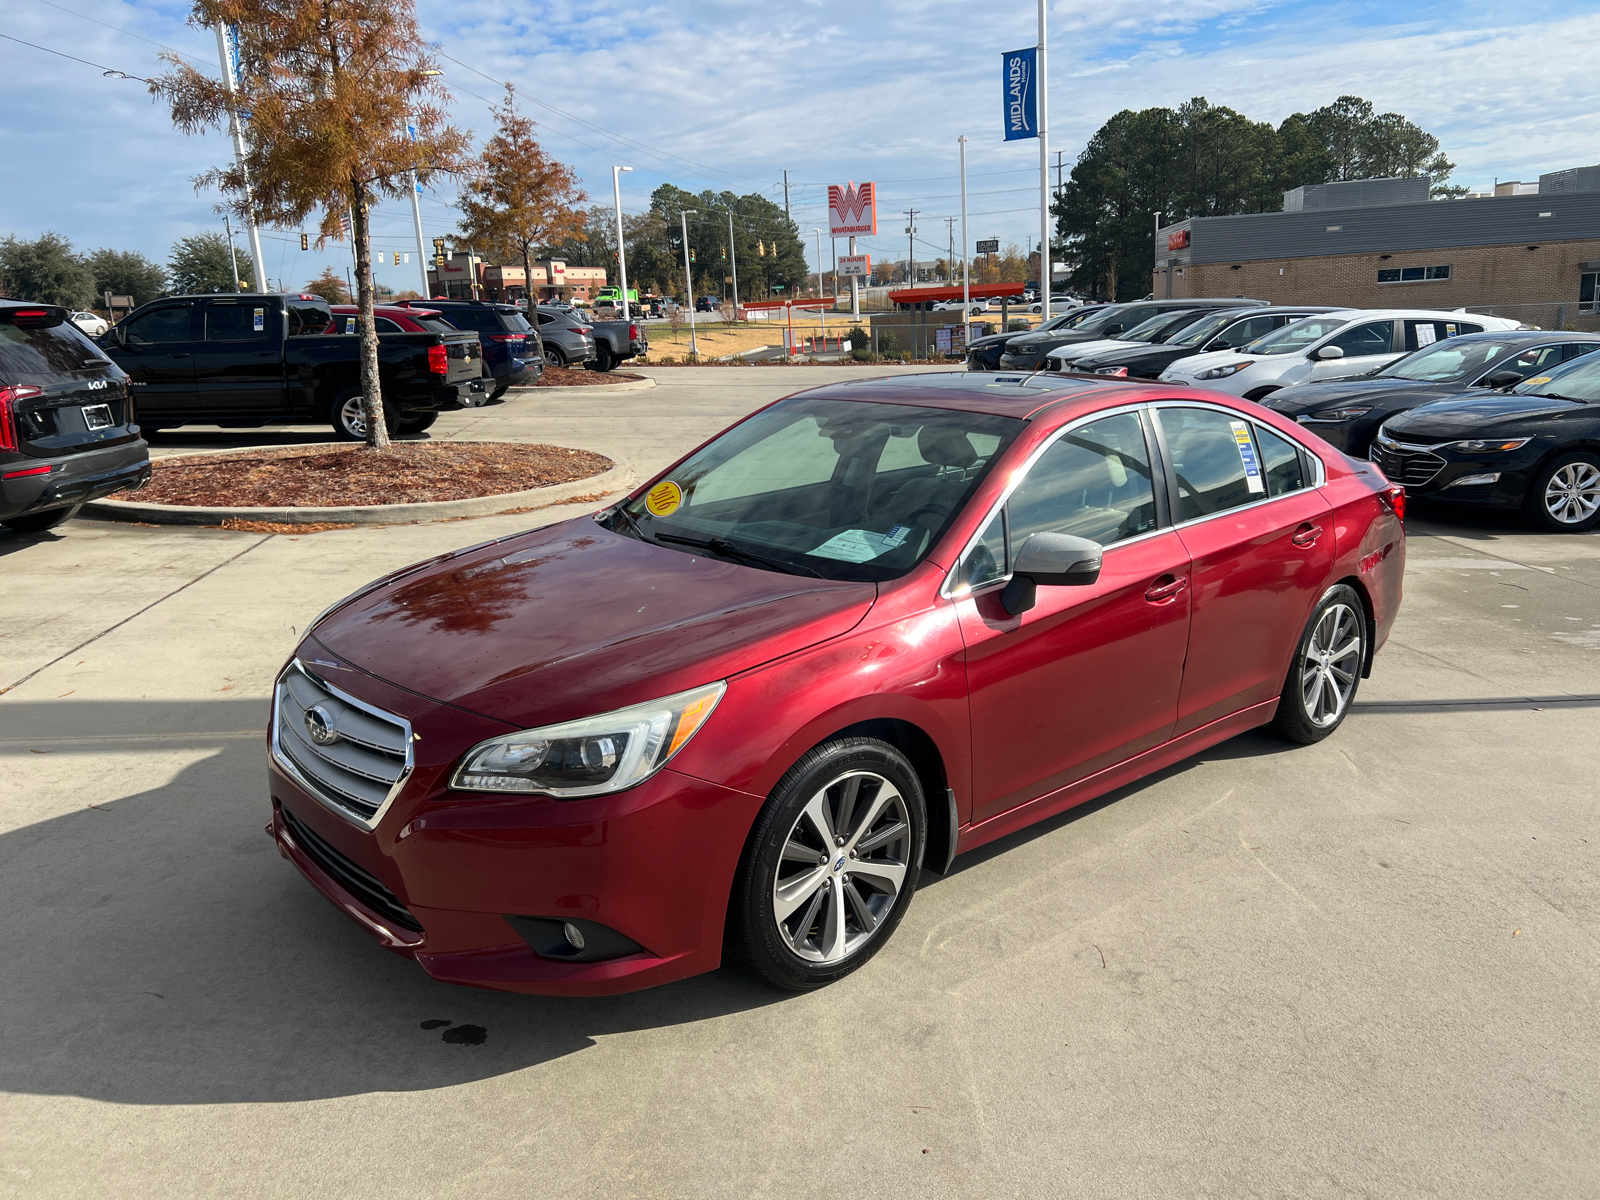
(861,545)
(260,319)
(1247,455)
(1425,335)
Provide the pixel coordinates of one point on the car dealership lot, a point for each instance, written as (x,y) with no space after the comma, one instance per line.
(1361,967)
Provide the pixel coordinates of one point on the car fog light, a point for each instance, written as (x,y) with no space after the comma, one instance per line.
(1473,480)
(573,934)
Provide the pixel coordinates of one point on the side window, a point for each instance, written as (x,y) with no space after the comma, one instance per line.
(384,325)
(986,561)
(1214,460)
(239,322)
(1280,463)
(1093,483)
(1242,333)
(160,326)
(1533,360)
(545,318)
(308,317)
(1370,337)
(1574,350)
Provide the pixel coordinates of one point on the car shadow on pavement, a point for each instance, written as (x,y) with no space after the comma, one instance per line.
(158,950)
(12,541)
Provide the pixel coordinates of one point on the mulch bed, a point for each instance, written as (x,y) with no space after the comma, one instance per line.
(407,473)
(581,377)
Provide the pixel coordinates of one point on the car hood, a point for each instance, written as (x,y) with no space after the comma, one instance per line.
(1127,352)
(1310,397)
(572,620)
(1464,416)
(1102,346)
(992,339)
(1196,363)
(1029,343)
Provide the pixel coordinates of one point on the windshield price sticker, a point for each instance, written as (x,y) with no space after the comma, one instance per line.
(861,545)
(1426,335)
(1247,455)
(663,499)
(261,319)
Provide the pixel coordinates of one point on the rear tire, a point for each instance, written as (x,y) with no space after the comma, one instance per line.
(554,357)
(350,422)
(417,423)
(830,866)
(39,522)
(1564,497)
(1326,669)
(603,359)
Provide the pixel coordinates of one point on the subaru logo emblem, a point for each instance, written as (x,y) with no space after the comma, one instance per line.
(319,725)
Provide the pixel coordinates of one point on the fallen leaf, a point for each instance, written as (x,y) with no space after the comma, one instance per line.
(64,695)
(157,995)
(1514,934)
(229,688)
(31,751)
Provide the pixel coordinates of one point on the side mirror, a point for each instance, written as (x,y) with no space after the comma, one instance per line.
(1220,344)
(1113,329)
(1330,352)
(1503,379)
(1051,560)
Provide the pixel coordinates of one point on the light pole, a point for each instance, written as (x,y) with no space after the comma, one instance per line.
(733,262)
(1046,267)
(688,277)
(622,254)
(227,47)
(234,258)
(966,282)
(1156,248)
(822,317)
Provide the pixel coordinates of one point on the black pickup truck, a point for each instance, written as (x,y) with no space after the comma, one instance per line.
(242,360)
(615,341)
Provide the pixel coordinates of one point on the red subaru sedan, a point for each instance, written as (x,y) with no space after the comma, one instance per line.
(865,629)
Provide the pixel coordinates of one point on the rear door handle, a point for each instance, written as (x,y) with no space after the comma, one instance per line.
(1164,589)
(1306,535)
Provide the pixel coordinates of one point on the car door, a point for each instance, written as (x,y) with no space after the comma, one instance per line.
(1090,675)
(239,363)
(1261,544)
(156,348)
(1366,345)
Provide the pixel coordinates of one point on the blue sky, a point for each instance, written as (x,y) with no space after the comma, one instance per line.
(712,93)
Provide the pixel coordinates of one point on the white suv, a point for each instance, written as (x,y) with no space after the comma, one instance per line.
(1333,345)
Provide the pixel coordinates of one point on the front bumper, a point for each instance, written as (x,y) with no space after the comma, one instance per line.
(1515,472)
(655,864)
(1023,362)
(73,479)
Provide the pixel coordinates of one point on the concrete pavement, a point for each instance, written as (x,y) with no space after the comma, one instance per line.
(1364,968)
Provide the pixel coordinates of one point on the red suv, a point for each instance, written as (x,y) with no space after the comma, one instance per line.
(865,629)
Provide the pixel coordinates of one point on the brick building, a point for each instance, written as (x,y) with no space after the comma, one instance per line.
(553,279)
(1533,254)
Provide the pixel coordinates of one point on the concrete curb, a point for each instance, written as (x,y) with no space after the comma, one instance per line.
(619,478)
(627,385)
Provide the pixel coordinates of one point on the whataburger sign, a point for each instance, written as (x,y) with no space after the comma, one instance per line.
(852,210)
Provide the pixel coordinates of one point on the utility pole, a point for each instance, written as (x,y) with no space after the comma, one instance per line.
(416,219)
(688,278)
(786,195)
(229,81)
(733,262)
(1157,248)
(1046,267)
(822,315)
(911,246)
(232,257)
(966,281)
(622,254)
(950,258)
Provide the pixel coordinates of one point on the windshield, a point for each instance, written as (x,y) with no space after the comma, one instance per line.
(835,488)
(1298,336)
(1447,361)
(1158,326)
(1203,330)
(1576,380)
(1097,321)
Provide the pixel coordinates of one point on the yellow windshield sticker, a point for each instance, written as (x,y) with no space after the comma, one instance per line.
(663,499)
(1538,379)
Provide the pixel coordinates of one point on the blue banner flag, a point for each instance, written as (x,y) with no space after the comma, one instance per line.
(1017,70)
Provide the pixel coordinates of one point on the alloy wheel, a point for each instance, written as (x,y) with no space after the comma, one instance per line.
(354,418)
(844,864)
(1331,665)
(1572,495)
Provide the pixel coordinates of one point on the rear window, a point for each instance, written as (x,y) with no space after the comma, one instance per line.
(435,324)
(29,350)
(307,317)
(515,322)
(484,320)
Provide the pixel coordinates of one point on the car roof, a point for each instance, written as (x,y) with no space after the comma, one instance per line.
(1017,394)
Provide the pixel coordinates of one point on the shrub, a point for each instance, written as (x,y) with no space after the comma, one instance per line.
(862,355)
(888,343)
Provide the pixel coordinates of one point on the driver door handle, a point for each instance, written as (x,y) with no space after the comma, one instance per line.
(1166,588)
(1306,535)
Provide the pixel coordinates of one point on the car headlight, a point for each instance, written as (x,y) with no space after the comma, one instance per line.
(590,757)
(1487,445)
(1341,414)
(1224,372)
(1119,372)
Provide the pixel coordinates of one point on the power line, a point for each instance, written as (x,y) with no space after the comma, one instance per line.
(119,29)
(111,72)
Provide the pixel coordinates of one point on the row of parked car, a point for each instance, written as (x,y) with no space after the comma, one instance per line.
(1461,408)
(75,410)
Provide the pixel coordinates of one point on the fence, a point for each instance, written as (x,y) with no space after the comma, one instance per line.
(1548,314)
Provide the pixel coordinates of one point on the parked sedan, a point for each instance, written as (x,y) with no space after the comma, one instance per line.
(983,354)
(1027,351)
(1211,331)
(1349,411)
(1336,345)
(92,324)
(1535,449)
(866,629)
(67,431)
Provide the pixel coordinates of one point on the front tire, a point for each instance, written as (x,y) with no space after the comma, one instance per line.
(1565,496)
(1326,670)
(831,865)
(39,522)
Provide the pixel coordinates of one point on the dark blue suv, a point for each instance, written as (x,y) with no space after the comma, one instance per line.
(512,351)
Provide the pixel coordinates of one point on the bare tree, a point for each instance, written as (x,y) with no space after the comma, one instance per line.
(328,87)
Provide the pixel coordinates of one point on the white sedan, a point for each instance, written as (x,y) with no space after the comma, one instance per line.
(977,306)
(91,323)
(1332,345)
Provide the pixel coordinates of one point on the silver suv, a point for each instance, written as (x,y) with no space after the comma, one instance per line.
(568,340)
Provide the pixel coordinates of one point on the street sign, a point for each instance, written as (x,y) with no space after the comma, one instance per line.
(855,264)
(852,210)
(989,246)
(1018,70)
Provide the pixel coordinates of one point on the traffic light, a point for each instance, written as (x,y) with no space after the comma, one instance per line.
(397,258)
(305,242)
(691,254)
